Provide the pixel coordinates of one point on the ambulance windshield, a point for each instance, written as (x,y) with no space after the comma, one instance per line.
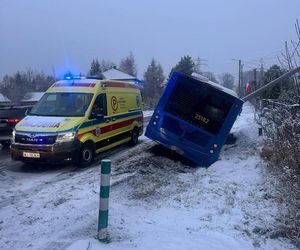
(62,104)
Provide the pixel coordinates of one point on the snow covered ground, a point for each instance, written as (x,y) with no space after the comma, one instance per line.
(158,201)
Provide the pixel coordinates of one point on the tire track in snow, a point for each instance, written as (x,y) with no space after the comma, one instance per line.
(72,171)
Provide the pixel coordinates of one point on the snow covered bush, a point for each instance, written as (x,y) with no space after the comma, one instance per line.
(282,129)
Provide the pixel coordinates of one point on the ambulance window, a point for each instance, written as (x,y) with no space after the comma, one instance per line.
(100,104)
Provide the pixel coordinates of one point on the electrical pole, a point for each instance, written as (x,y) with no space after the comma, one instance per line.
(271,84)
(255,79)
(261,72)
(198,64)
(240,79)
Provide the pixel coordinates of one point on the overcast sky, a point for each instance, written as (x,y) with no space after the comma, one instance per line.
(68,34)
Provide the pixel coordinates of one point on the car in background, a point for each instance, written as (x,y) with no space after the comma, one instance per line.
(9,117)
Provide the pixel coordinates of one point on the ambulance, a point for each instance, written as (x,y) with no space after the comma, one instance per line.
(78,118)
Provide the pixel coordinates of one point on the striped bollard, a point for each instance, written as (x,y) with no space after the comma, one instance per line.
(104,198)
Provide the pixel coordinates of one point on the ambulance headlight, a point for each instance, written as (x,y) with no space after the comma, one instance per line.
(65,137)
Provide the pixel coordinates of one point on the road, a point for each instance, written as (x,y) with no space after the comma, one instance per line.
(33,178)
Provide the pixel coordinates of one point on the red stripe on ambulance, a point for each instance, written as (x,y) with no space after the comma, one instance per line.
(112,127)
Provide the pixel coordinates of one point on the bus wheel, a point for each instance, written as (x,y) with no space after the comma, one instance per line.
(134,136)
(87,154)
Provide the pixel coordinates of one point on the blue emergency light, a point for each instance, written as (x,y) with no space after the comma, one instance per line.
(70,76)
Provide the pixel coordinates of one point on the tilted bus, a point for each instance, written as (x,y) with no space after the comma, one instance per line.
(194,117)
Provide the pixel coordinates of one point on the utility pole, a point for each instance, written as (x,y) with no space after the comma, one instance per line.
(240,79)
(261,72)
(271,84)
(255,79)
(199,63)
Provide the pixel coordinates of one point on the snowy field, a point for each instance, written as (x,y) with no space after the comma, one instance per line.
(158,201)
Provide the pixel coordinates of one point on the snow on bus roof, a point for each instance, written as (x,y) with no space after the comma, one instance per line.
(215,85)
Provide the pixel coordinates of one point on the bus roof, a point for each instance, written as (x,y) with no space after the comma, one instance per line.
(215,85)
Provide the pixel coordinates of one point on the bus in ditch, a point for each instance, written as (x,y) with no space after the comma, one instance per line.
(194,117)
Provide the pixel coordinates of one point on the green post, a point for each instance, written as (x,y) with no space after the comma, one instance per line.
(104,198)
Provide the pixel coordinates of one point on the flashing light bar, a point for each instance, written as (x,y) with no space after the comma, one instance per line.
(69,76)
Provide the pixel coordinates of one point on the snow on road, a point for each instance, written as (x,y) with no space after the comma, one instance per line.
(158,201)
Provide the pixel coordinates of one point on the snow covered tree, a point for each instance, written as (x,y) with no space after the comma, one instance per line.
(210,75)
(227,80)
(128,65)
(17,85)
(153,78)
(106,65)
(272,73)
(186,65)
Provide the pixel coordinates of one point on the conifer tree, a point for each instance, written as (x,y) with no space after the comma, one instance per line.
(186,65)
(95,68)
(128,65)
(153,79)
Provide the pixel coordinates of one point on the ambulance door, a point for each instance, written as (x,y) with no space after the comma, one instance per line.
(102,123)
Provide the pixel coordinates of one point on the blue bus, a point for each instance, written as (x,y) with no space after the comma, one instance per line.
(194,117)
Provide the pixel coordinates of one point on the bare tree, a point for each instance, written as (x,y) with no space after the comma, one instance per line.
(227,80)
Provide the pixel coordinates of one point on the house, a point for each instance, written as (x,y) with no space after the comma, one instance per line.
(115,74)
(4,100)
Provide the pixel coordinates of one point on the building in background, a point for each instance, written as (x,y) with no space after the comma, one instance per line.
(115,74)
(4,101)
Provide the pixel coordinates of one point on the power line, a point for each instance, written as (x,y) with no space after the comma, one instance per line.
(199,62)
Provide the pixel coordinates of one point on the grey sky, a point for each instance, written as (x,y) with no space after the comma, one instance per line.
(47,34)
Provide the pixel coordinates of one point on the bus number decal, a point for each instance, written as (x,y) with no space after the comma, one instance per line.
(201,118)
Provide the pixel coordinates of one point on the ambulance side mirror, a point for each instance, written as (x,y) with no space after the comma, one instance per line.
(96,114)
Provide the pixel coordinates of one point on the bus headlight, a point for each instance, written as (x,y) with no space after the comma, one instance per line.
(65,137)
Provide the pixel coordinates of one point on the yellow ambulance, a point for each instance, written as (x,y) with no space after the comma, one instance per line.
(77,118)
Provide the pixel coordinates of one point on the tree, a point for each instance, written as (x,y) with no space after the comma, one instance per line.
(153,78)
(17,85)
(95,68)
(106,65)
(271,74)
(186,65)
(128,65)
(210,75)
(227,80)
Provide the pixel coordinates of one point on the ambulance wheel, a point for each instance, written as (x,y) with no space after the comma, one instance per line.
(134,136)
(87,154)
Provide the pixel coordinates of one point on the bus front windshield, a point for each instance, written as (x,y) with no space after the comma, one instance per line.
(62,104)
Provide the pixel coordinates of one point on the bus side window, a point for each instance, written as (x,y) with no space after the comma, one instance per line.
(100,106)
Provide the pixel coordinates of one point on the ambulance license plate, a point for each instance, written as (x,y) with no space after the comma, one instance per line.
(31,155)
